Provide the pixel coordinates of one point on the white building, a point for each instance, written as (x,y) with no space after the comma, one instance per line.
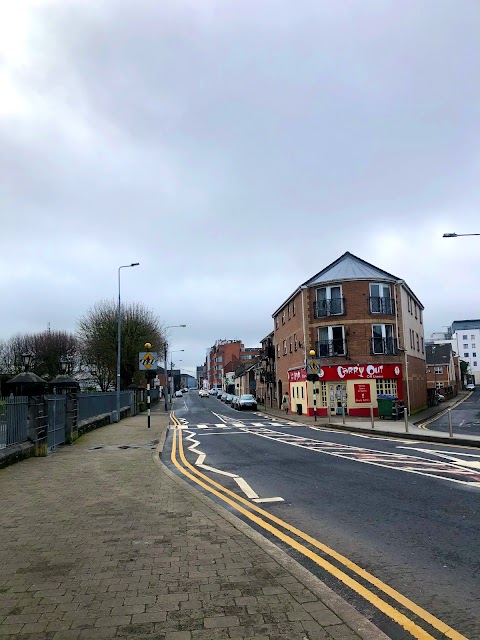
(464,336)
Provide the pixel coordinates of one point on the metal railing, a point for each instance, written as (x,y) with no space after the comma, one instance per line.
(333,307)
(331,348)
(383,346)
(91,405)
(381,305)
(13,420)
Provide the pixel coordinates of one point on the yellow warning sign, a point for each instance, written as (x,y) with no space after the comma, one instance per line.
(313,366)
(147,360)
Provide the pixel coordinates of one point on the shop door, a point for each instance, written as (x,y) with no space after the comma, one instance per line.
(337,398)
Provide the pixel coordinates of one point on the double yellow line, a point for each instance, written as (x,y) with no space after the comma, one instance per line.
(261,517)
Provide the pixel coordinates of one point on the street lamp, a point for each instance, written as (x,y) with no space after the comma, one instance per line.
(165,361)
(456,235)
(119,338)
(27,359)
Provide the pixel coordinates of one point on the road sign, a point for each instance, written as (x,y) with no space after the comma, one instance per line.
(147,360)
(313,366)
(227,380)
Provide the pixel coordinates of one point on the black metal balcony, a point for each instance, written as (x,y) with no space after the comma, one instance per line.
(325,308)
(381,305)
(331,348)
(383,346)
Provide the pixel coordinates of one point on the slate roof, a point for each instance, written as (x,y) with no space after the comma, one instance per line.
(350,267)
(438,353)
(465,325)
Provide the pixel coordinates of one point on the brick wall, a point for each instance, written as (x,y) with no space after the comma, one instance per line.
(291,325)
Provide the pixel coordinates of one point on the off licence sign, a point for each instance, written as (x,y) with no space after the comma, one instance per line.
(362,393)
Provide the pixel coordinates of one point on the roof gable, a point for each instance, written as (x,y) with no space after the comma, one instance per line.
(349,267)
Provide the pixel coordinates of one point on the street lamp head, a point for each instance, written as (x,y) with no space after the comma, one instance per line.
(450,235)
(147,345)
(134,264)
(312,352)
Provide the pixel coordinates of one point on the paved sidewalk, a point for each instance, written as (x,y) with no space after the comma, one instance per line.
(99,540)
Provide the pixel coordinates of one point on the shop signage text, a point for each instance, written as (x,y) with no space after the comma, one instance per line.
(352,372)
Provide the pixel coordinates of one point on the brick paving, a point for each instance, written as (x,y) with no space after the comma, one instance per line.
(100,541)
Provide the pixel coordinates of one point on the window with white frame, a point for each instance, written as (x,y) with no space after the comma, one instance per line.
(284,347)
(386,386)
(380,300)
(288,311)
(220,359)
(472,337)
(283,316)
(474,346)
(278,350)
(295,341)
(329,301)
(382,339)
(474,363)
(294,311)
(438,370)
(439,385)
(331,341)
(323,394)
(276,322)
(465,337)
(290,345)
(474,354)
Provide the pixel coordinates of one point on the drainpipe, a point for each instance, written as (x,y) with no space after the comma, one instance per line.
(400,282)
(304,333)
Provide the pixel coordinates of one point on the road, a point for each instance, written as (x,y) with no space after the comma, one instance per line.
(404,511)
(465,417)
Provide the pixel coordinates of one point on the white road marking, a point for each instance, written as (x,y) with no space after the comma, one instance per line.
(387,460)
(219,417)
(243,484)
(214,470)
(246,488)
(474,464)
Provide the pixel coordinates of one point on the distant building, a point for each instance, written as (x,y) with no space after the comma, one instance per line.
(201,375)
(464,337)
(222,353)
(442,371)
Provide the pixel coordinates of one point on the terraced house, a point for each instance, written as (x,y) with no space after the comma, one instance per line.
(366,328)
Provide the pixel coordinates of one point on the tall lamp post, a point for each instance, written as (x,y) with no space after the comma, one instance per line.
(119,337)
(165,361)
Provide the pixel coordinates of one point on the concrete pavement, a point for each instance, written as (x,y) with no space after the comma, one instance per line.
(100,540)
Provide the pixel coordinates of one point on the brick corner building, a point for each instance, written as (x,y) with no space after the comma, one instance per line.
(366,328)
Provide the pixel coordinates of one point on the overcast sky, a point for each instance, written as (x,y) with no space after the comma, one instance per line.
(234,149)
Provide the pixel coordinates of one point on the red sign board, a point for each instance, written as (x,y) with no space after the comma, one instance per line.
(351,372)
(362,393)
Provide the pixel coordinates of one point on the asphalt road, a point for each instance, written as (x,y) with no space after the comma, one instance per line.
(465,417)
(406,511)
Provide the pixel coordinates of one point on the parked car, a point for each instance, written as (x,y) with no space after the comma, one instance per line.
(223,396)
(470,387)
(234,402)
(185,390)
(440,397)
(178,394)
(247,401)
(228,398)
(203,393)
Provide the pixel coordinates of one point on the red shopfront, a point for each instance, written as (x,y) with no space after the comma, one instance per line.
(352,389)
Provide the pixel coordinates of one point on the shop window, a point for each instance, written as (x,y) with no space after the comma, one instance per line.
(387,386)
(323,394)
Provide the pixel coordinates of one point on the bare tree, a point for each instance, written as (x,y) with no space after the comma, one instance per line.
(97,331)
(48,347)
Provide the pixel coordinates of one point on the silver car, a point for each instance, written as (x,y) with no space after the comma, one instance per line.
(247,401)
